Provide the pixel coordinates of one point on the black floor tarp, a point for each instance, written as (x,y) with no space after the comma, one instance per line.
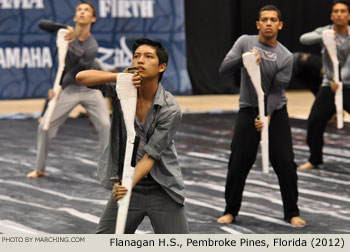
(70,199)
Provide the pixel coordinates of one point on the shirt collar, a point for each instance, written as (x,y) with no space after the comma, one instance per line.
(159,98)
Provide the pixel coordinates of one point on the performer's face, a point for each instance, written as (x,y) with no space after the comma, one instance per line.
(269,24)
(340,14)
(84,14)
(147,62)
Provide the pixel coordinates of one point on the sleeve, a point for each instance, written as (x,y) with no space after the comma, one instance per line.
(311,38)
(163,134)
(345,69)
(50,26)
(285,72)
(233,60)
(275,96)
(279,85)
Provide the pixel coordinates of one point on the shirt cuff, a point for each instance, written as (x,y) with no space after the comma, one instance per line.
(152,152)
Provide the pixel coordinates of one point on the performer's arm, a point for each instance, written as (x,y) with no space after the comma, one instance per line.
(103,81)
(311,38)
(95,77)
(162,137)
(275,95)
(163,134)
(142,168)
(91,78)
(279,86)
(50,26)
(233,59)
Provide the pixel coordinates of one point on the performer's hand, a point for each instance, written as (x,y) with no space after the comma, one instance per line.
(304,57)
(50,94)
(258,57)
(334,86)
(136,79)
(70,36)
(118,191)
(335,33)
(258,124)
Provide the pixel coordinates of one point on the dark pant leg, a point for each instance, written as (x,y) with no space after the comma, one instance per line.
(322,110)
(166,215)
(346,99)
(244,148)
(136,214)
(282,161)
(108,218)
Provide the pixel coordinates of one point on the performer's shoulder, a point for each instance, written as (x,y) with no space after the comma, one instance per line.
(249,36)
(285,51)
(245,37)
(91,42)
(322,28)
(170,104)
(170,100)
(246,41)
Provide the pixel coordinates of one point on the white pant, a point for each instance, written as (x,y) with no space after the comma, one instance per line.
(92,100)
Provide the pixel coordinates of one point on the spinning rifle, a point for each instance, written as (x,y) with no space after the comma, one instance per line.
(252,66)
(329,42)
(62,47)
(127,94)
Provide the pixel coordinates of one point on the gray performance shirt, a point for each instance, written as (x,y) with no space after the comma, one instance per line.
(80,56)
(343,50)
(275,67)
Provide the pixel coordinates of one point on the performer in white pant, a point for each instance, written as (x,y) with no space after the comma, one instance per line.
(80,56)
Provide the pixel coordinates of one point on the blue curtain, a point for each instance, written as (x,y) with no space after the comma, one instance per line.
(26,52)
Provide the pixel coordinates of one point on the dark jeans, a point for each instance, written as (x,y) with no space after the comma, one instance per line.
(244,147)
(147,198)
(322,110)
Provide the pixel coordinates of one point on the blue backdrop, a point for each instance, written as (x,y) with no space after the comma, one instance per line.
(26,52)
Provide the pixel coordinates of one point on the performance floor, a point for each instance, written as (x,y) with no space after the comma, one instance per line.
(70,199)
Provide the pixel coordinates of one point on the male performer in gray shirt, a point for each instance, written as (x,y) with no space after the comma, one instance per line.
(324,108)
(81,54)
(158,188)
(276,68)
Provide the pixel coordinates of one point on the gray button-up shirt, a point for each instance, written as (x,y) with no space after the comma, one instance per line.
(160,127)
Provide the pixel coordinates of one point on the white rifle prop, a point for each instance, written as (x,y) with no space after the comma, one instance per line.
(252,66)
(62,47)
(127,94)
(329,42)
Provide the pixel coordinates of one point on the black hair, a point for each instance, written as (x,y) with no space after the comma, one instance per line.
(346,2)
(270,7)
(162,52)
